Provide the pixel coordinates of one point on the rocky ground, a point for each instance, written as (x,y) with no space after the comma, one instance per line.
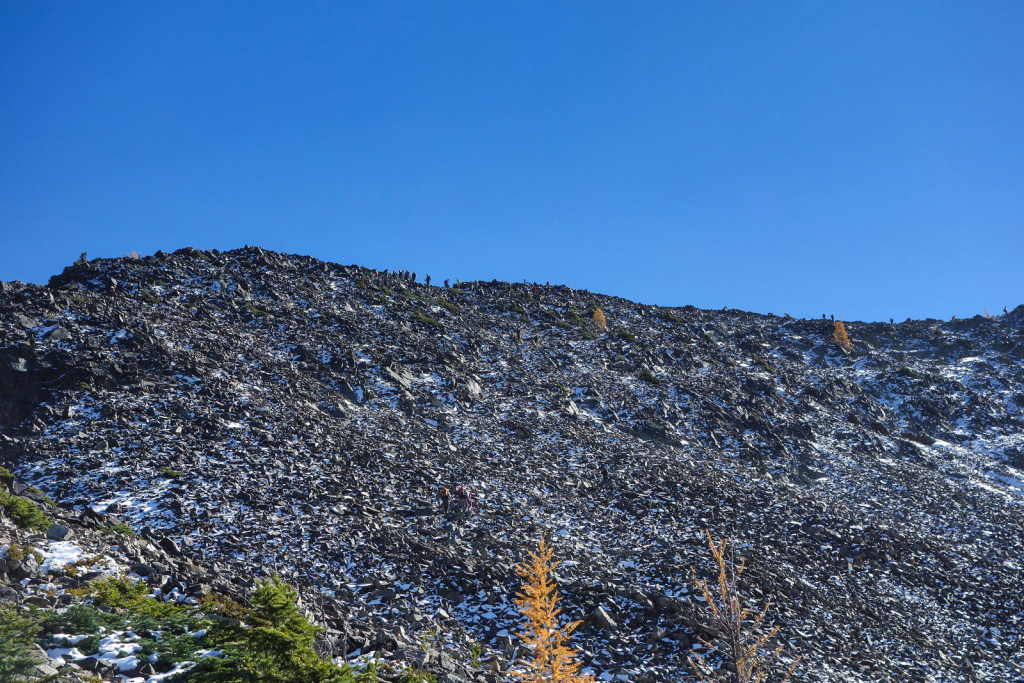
(255,412)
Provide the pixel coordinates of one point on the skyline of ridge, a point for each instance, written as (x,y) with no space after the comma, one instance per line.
(439,282)
(861,160)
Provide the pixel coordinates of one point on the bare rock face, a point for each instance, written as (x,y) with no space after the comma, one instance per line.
(252,412)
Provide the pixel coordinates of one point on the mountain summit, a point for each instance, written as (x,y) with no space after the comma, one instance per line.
(259,413)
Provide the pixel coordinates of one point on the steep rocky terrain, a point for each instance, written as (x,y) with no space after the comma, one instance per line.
(257,412)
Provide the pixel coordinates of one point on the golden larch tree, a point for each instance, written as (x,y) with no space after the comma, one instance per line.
(598,321)
(841,337)
(741,639)
(554,660)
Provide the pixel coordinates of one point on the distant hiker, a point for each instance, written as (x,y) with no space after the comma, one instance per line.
(446,500)
(603,470)
(533,290)
(890,321)
(954,317)
(508,388)
(428,279)
(412,278)
(446,283)
(833,317)
(822,316)
(465,501)
(1004,310)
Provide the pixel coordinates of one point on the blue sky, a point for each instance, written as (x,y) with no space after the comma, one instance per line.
(864,159)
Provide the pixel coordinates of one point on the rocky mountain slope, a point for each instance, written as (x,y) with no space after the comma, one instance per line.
(258,412)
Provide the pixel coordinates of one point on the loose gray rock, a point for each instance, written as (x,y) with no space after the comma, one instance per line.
(59,532)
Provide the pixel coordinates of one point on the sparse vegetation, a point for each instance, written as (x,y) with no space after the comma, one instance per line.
(841,337)
(741,640)
(598,321)
(444,303)
(274,644)
(649,377)
(17,637)
(625,335)
(23,512)
(277,646)
(427,638)
(22,552)
(552,658)
(419,317)
(669,316)
(36,490)
(223,605)
(121,593)
(80,619)
(904,371)
(411,675)
(258,312)
(169,472)
(121,528)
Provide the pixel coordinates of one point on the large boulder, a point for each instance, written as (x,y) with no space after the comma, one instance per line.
(59,532)
(601,620)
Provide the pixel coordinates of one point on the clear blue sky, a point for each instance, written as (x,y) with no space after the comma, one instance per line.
(860,158)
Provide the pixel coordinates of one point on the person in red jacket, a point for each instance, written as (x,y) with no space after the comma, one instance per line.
(465,501)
